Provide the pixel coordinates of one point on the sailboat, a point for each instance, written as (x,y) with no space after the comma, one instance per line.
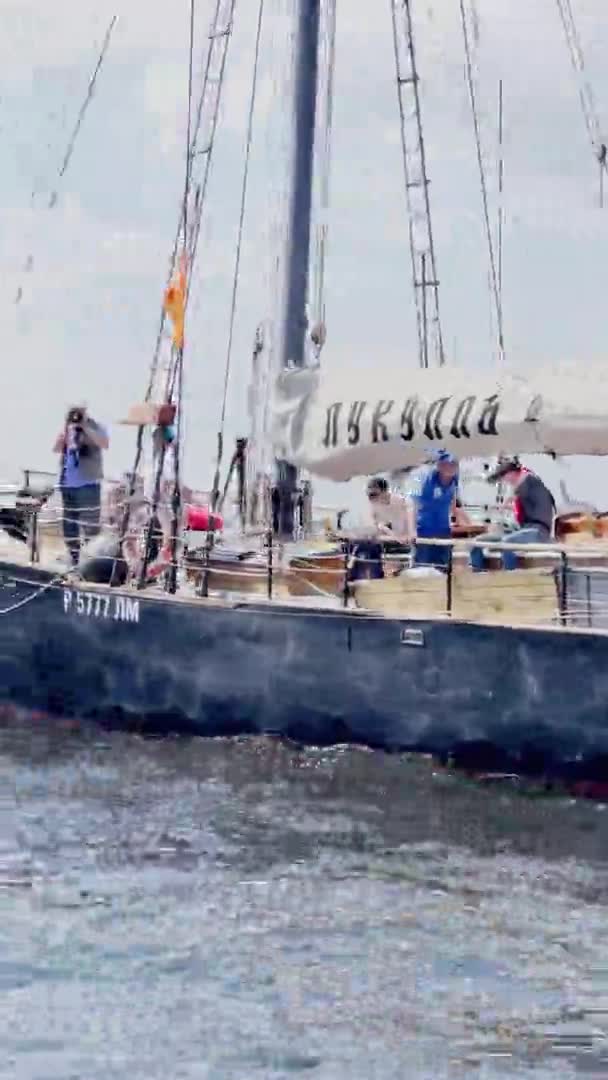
(447,668)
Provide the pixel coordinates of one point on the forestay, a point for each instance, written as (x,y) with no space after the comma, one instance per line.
(357,423)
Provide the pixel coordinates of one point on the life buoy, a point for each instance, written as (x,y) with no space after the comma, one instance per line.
(201,519)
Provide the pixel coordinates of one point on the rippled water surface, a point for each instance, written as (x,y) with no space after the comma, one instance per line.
(243,909)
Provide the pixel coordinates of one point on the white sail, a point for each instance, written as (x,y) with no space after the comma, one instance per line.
(357,423)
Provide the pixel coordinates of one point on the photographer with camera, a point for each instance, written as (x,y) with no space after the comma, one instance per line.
(80,444)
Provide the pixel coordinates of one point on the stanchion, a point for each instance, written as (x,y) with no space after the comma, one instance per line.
(34,549)
(564,589)
(270,563)
(205,578)
(345,584)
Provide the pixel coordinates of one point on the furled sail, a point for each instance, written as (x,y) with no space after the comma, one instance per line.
(346,424)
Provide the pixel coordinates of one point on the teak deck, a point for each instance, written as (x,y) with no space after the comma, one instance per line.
(504,596)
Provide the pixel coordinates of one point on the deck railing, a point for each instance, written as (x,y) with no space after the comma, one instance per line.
(578,571)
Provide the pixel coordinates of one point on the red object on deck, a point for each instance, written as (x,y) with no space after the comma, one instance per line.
(200,519)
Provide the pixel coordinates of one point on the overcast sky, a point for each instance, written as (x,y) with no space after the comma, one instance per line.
(86,324)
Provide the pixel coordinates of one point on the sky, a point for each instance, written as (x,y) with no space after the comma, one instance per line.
(86,324)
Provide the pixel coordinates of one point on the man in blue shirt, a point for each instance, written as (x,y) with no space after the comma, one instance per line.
(81,471)
(432,501)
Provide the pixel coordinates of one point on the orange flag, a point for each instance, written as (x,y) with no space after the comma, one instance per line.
(175,303)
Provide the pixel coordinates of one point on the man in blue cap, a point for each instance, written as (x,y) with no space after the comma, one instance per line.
(432,503)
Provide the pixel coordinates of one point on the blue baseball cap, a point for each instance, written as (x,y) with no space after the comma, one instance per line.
(443,456)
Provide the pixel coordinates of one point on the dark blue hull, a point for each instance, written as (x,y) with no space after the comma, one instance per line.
(318,676)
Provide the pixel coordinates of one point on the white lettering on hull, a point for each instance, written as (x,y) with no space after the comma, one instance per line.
(101,606)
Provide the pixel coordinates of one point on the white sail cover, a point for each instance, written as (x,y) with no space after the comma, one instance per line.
(354,424)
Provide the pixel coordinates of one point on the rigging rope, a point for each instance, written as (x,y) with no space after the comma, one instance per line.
(482,178)
(62,578)
(178,358)
(501,177)
(413,149)
(225,8)
(475,23)
(67,157)
(214,35)
(189,124)
(239,246)
(202,188)
(577,60)
(318,335)
(175,377)
(585,91)
(87,101)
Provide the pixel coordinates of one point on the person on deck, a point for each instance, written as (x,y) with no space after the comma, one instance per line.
(533,508)
(81,444)
(432,502)
(388,510)
(388,513)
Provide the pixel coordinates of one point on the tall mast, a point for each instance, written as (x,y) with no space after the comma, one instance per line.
(293,322)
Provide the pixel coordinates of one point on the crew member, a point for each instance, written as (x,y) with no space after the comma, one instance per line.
(533,508)
(81,444)
(432,504)
(388,510)
(388,513)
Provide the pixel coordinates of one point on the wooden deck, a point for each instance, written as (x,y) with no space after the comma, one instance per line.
(502,596)
(526,596)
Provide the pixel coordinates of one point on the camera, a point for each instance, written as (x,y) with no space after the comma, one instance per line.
(75,418)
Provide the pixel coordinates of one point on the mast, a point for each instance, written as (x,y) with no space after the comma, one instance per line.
(293,322)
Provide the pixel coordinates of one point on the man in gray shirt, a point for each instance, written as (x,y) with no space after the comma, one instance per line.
(533,509)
